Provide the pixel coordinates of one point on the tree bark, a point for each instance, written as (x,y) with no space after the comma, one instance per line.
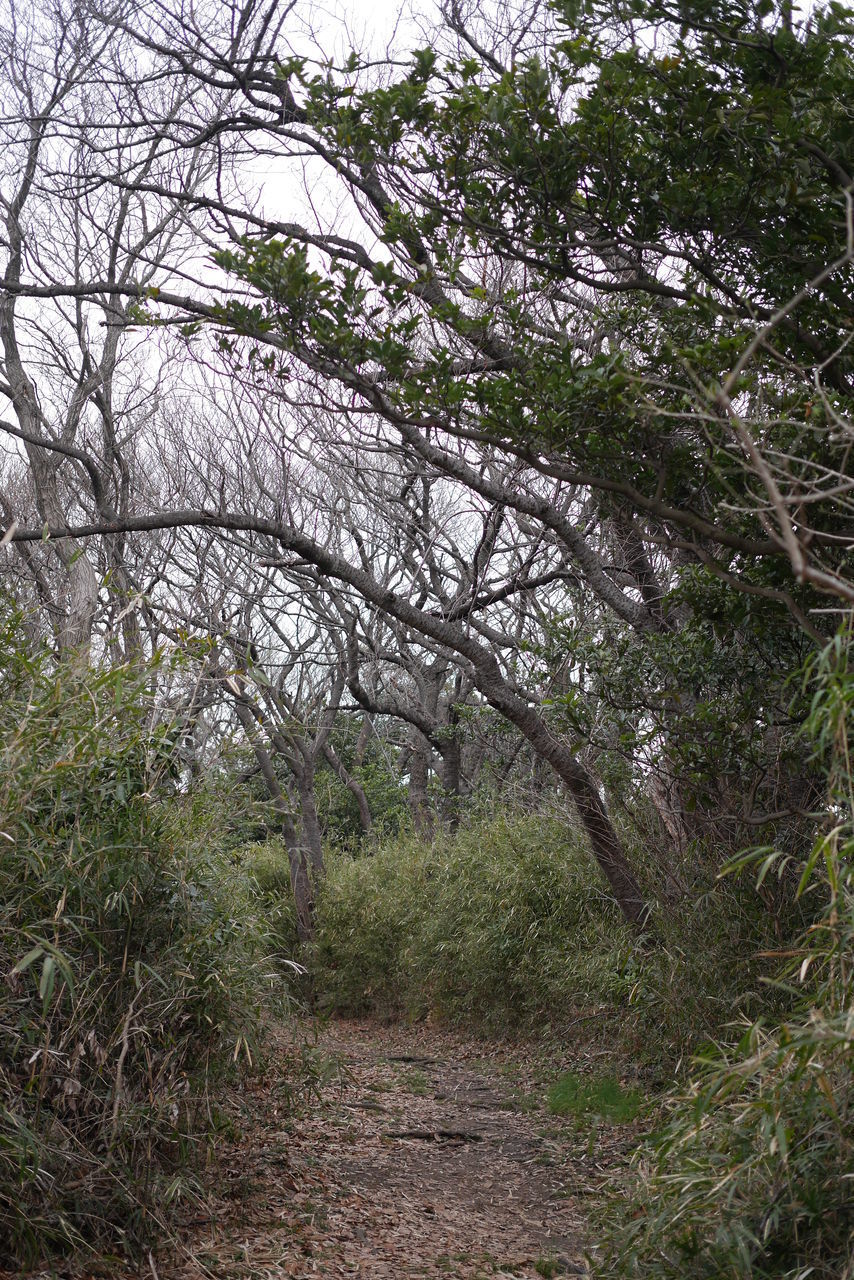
(353,786)
(301,885)
(604,840)
(419,776)
(312,836)
(451,776)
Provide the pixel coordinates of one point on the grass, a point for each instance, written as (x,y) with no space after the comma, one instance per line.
(417,1083)
(136,970)
(602,1096)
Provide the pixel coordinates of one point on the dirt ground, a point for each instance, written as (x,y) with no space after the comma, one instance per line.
(424,1156)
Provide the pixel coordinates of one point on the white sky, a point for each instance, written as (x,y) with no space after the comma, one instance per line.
(309,193)
(375,26)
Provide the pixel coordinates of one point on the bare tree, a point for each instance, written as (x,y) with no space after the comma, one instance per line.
(80,383)
(407,595)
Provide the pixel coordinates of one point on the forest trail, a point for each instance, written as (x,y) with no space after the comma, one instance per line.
(425,1156)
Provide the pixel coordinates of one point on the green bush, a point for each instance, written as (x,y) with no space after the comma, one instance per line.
(712,966)
(523,927)
(752,1175)
(386,796)
(502,922)
(508,922)
(129,969)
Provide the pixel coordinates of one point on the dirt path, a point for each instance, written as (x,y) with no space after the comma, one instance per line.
(423,1158)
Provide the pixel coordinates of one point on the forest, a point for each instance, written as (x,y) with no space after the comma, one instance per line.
(427,602)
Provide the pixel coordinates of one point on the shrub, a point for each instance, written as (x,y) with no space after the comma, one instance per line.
(502,922)
(126,973)
(711,967)
(751,1176)
(507,922)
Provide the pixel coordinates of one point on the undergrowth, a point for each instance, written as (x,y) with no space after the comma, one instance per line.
(500,924)
(132,972)
(507,924)
(602,1096)
(751,1176)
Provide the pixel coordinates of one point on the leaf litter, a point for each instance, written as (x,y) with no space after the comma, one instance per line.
(422,1155)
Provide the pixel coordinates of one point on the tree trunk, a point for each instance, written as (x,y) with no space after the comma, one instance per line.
(301,885)
(353,786)
(451,781)
(419,774)
(604,840)
(312,836)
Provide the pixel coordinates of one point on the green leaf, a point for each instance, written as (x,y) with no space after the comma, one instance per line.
(47,980)
(28,959)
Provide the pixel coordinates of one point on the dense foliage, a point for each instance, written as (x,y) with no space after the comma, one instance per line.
(499,925)
(518,481)
(494,926)
(584,243)
(131,969)
(751,1177)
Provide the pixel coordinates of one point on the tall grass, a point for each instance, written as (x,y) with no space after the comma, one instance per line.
(504,922)
(751,1177)
(128,970)
(508,923)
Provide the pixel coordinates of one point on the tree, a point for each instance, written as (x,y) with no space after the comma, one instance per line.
(555,280)
(80,386)
(400,590)
(550,301)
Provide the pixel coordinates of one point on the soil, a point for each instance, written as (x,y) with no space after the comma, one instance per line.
(423,1155)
